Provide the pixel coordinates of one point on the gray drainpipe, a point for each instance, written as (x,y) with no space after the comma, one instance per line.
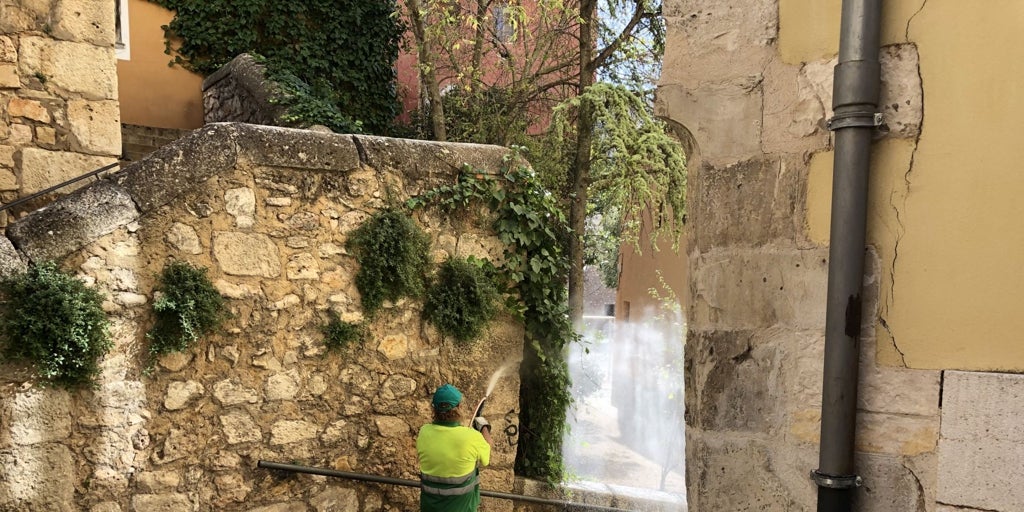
(855,103)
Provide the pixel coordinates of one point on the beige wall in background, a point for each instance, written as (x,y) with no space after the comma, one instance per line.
(152,93)
(952,297)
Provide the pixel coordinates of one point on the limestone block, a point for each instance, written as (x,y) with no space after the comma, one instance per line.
(288,431)
(8,51)
(180,394)
(901,101)
(40,477)
(72,221)
(281,387)
(231,290)
(246,254)
(95,126)
(21,134)
(756,288)
(9,78)
(241,204)
(85,21)
(794,113)
(297,149)
(335,499)
(896,434)
(397,386)
(172,502)
(41,168)
(716,468)
(184,238)
(390,426)
(278,201)
(106,506)
(155,482)
(303,266)
(730,387)
(231,487)
(239,427)
(40,416)
(425,164)
(724,118)
(717,38)
(982,441)
(7,159)
(11,262)
(78,68)
(394,346)
(46,136)
(30,109)
(229,392)
(175,361)
(180,166)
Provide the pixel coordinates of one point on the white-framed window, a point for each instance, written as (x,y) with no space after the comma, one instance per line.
(121,43)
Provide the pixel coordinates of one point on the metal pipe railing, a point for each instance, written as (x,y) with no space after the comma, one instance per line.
(58,186)
(295,468)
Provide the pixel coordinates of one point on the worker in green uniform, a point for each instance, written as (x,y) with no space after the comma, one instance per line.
(451,456)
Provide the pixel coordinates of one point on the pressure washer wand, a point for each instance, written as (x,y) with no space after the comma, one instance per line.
(480,407)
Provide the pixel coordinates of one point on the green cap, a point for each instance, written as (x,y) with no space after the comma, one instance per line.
(446,398)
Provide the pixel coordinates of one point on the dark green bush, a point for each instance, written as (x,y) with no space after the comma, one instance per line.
(462,299)
(56,323)
(393,256)
(188,307)
(339,334)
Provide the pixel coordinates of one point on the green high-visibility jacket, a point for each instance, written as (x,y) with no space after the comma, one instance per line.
(450,456)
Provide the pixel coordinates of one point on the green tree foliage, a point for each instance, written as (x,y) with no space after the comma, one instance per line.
(637,166)
(344,50)
(187,308)
(393,255)
(56,323)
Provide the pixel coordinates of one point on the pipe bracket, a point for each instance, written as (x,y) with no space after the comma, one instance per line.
(836,482)
(860,119)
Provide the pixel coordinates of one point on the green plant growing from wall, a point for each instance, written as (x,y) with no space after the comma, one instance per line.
(393,256)
(188,307)
(343,51)
(462,299)
(52,320)
(529,222)
(339,334)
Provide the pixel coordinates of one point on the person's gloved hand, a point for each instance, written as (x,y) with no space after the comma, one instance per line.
(479,423)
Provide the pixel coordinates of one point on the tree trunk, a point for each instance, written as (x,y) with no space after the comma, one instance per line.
(579,174)
(428,77)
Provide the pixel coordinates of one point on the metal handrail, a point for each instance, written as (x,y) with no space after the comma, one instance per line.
(295,468)
(45,191)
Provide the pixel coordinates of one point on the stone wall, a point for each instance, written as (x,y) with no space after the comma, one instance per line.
(58,93)
(267,211)
(754,121)
(239,92)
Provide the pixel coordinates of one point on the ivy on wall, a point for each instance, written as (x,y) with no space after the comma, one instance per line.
(534,230)
(393,256)
(342,50)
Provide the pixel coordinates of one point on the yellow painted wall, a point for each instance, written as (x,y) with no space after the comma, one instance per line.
(151,93)
(953,287)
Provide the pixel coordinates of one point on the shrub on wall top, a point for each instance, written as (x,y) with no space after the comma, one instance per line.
(52,320)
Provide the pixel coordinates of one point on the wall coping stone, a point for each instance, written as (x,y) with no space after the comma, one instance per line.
(75,220)
(68,224)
